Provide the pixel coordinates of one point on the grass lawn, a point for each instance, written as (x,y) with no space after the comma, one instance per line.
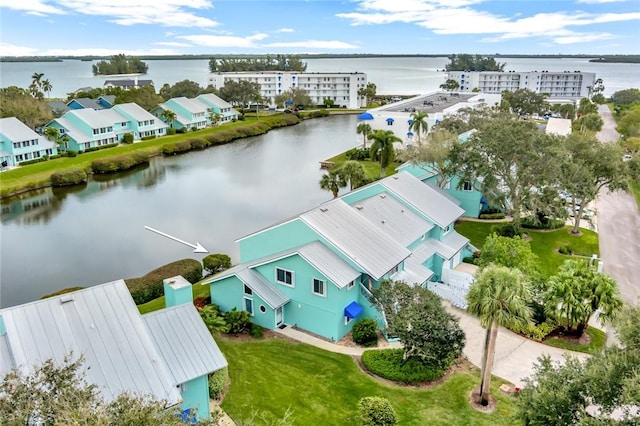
(544,244)
(372,168)
(269,376)
(634,185)
(155,304)
(595,346)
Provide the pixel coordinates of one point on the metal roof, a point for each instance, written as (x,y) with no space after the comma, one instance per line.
(6,361)
(15,130)
(358,239)
(393,218)
(424,198)
(191,105)
(414,271)
(72,130)
(101,323)
(330,264)
(216,100)
(267,291)
(137,112)
(97,118)
(450,244)
(184,342)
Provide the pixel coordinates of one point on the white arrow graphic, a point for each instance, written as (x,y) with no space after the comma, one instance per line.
(198,248)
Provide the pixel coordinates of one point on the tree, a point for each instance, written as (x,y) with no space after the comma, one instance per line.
(577,292)
(586,107)
(214,117)
(419,124)
(525,101)
(466,62)
(368,92)
(58,395)
(145,97)
(186,88)
(18,103)
(354,173)
(626,97)
(120,64)
(363,129)
(218,262)
(450,85)
(510,252)
(333,181)
(239,93)
(508,158)
(596,89)
(296,95)
(434,155)
(382,148)
(47,87)
(53,134)
(376,411)
(590,123)
(168,116)
(499,296)
(629,123)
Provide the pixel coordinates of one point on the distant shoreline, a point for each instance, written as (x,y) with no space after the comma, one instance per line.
(592,58)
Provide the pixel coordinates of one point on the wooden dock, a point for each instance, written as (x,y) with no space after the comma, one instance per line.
(326,165)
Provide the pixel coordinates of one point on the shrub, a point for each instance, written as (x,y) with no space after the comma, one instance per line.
(237,321)
(148,138)
(53,157)
(469,259)
(218,382)
(535,332)
(35,160)
(492,216)
(119,162)
(176,147)
(545,223)
(256,331)
(507,230)
(565,249)
(217,262)
(198,143)
(171,131)
(149,286)
(71,153)
(376,411)
(357,154)
(389,364)
(72,176)
(127,138)
(364,332)
(98,148)
(212,318)
(201,301)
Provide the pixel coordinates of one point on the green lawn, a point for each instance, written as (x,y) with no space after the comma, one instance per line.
(595,346)
(372,168)
(155,304)
(544,244)
(269,376)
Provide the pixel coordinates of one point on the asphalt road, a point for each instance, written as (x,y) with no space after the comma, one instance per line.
(619,228)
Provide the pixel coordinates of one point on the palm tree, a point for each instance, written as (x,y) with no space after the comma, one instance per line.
(53,134)
(333,181)
(36,78)
(352,172)
(34,90)
(363,129)
(419,124)
(169,116)
(47,87)
(499,296)
(382,148)
(214,117)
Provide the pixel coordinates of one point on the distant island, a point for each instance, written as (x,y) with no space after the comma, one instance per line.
(120,64)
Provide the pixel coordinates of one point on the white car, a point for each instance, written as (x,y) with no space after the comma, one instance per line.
(586,213)
(627,157)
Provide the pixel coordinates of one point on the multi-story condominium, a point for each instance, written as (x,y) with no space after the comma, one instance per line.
(20,143)
(563,84)
(341,88)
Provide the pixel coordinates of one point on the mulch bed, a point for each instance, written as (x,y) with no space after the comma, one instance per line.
(474,397)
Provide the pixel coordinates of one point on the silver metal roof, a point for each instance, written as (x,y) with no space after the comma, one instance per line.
(330,264)
(97,118)
(72,130)
(216,100)
(15,130)
(450,244)
(267,291)
(6,360)
(393,218)
(137,113)
(184,342)
(358,239)
(424,198)
(414,271)
(191,105)
(103,324)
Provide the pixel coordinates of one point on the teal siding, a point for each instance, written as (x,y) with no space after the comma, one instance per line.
(3,330)
(196,397)
(469,200)
(227,293)
(275,239)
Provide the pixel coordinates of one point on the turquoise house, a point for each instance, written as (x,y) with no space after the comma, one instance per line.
(219,106)
(20,143)
(190,113)
(315,271)
(167,354)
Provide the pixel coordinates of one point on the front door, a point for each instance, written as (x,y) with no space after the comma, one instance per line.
(279,316)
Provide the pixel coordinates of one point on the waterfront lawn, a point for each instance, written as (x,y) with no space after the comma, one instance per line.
(545,244)
(156,304)
(272,375)
(372,168)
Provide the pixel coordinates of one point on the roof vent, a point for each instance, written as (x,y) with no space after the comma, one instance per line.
(66,298)
(383,196)
(396,177)
(323,209)
(383,221)
(359,207)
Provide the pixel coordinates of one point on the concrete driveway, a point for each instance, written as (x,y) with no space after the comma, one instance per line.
(619,227)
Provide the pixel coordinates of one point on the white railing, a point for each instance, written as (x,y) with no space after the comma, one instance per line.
(451,294)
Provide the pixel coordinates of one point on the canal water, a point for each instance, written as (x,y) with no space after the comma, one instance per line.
(53,239)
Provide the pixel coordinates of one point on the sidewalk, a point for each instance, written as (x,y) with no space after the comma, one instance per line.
(514,356)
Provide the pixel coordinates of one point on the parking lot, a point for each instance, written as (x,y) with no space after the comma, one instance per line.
(432,103)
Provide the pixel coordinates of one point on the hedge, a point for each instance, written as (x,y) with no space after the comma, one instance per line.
(98,148)
(68,177)
(492,216)
(149,286)
(119,162)
(34,161)
(388,364)
(218,383)
(545,223)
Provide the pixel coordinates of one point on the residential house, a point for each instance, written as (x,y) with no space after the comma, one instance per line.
(127,83)
(167,354)
(88,128)
(315,271)
(190,113)
(219,106)
(20,143)
(103,102)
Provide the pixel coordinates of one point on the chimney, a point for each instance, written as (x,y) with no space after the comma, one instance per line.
(135,81)
(177,291)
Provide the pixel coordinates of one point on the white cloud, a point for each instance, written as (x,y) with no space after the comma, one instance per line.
(33,7)
(599,1)
(225,41)
(583,38)
(13,50)
(173,44)
(314,44)
(285,30)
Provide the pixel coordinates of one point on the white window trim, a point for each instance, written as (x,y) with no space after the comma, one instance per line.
(324,287)
(244,290)
(293,277)
(351,285)
(470,186)
(347,320)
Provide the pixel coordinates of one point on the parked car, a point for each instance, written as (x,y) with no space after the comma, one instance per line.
(626,157)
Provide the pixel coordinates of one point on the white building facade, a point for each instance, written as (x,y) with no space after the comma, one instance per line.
(341,88)
(563,84)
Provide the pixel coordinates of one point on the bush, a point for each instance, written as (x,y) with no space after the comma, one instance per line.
(536,332)
(376,411)
(149,286)
(201,301)
(218,383)
(364,332)
(508,230)
(256,331)
(119,162)
(545,223)
(565,249)
(148,138)
(53,157)
(237,321)
(176,147)
(127,138)
(198,143)
(35,160)
(68,177)
(171,131)
(98,148)
(357,154)
(217,262)
(389,364)
(71,153)
(492,216)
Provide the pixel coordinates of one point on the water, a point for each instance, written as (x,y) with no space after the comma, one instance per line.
(57,239)
(392,76)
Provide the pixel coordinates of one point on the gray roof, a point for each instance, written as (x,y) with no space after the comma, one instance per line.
(213,99)
(366,245)
(138,113)
(58,106)
(72,130)
(128,82)
(393,218)
(414,271)
(191,105)
(424,198)
(450,244)
(330,264)
(87,103)
(97,118)
(103,324)
(16,130)
(267,291)
(184,342)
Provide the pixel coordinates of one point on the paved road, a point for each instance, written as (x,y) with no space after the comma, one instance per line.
(619,228)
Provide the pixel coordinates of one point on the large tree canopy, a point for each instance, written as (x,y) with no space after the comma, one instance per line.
(466,62)
(145,97)
(120,64)
(524,102)
(434,155)
(240,93)
(19,103)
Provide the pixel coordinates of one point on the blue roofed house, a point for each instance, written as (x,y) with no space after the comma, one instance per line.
(167,354)
(89,128)
(20,143)
(315,271)
(103,102)
(219,106)
(190,113)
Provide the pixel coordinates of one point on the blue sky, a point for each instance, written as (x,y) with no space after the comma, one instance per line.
(159,27)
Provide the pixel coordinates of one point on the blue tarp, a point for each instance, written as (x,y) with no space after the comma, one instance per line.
(353,310)
(365,116)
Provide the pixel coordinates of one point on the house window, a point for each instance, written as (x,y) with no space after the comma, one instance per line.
(446,229)
(347,320)
(284,277)
(319,287)
(248,291)
(467,186)
(351,285)
(394,270)
(263,309)
(248,305)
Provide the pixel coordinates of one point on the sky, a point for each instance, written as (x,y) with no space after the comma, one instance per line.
(170,27)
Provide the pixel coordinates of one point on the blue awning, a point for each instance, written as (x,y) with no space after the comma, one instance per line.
(288,102)
(409,133)
(365,116)
(353,310)
(409,121)
(390,120)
